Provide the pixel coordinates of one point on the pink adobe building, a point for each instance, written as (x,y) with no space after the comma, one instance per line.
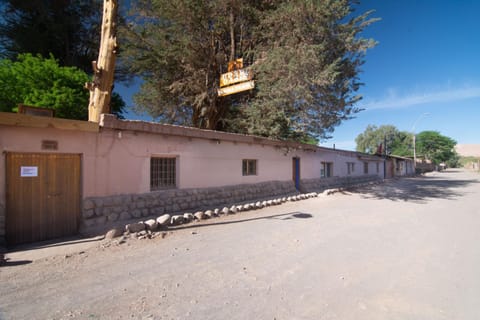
(65,176)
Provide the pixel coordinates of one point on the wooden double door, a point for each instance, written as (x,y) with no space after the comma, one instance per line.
(43,193)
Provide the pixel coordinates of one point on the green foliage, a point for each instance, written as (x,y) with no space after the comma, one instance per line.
(399,143)
(306,55)
(70,30)
(437,147)
(467,161)
(67,30)
(33,80)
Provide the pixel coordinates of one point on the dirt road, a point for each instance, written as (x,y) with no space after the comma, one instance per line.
(407,249)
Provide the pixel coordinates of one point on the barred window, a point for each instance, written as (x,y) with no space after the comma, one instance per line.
(162,173)
(326,169)
(350,167)
(365,167)
(249,167)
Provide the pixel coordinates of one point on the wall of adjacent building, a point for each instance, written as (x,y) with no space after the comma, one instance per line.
(116,159)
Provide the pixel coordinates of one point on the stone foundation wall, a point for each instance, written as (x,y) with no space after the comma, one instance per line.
(102,212)
(319,185)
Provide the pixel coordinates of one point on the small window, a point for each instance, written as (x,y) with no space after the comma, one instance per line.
(162,173)
(365,167)
(350,167)
(249,167)
(326,169)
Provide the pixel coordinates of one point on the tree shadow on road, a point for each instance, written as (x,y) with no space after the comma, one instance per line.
(284,216)
(6,262)
(416,189)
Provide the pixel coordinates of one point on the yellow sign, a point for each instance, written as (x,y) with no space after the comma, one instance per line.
(244,86)
(235,64)
(236,76)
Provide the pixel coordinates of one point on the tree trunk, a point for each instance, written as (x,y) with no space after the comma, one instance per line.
(104,69)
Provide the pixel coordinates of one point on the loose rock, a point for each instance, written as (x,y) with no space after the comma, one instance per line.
(135,227)
(163,220)
(187,217)
(151,224)
(200,215)
(176,220)
(113,233)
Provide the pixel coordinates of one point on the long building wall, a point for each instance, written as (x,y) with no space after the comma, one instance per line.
(116,159)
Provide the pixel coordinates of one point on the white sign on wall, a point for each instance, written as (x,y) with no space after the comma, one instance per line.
(28,171)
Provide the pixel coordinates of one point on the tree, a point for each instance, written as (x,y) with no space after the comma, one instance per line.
(37,81)
(390,139)
(69,30)
(436,147)
(306,55)
(104,67)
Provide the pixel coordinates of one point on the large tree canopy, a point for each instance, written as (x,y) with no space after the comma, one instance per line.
(68,29)
(33,80)
(387,138)
(436,147)
(306,55)
(429,144)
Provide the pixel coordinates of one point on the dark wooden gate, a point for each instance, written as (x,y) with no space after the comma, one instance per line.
(43,196)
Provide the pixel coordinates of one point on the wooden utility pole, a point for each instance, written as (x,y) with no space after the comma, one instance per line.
(104,68)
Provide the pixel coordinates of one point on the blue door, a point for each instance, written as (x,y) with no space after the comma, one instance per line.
(296,172)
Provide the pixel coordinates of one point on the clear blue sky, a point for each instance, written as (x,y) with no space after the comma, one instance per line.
(423,72)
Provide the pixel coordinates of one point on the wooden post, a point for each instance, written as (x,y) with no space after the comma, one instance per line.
(104,69)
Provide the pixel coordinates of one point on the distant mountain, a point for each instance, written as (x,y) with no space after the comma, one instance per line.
(468,150)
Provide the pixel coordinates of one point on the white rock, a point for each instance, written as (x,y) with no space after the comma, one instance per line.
(200,215)
(175,220)
(216,212)
(225,210)
(151,224)
(163,220)
(233,209)
(210,214)
(187,217)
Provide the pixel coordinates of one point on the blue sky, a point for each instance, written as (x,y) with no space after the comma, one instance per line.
(424,72)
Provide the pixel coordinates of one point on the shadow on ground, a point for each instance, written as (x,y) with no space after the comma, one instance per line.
(417,189)
(6,262)
(284,216)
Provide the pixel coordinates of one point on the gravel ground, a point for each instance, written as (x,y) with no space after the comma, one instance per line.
(405,249)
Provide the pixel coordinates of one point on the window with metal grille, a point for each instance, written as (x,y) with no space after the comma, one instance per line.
(365,167)
(326,170)
(249,167)
(162,173)
(350,167)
